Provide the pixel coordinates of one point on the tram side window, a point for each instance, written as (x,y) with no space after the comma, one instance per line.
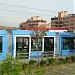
(0,44)
(22,43)
(33,44)
(68,43)
(49,43)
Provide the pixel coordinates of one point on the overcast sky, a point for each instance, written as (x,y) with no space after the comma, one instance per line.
(14,12)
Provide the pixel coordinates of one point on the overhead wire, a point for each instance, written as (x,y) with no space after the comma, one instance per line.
(8,10)
(23,12)
(27,7)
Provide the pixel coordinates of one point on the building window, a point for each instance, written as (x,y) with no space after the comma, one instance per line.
(71,20)
(0,44)
(68,43)
(71,27)
(35,44)
(71,23)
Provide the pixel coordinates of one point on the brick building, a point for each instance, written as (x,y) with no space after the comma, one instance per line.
(64,20)
(34,22)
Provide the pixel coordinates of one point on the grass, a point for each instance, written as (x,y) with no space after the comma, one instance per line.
(63,69)
(21,67)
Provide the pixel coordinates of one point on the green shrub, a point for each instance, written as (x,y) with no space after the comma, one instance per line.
(73,58)
(68,59)
(32,62)
(28,70)
(24,66)
(9,67)
(51,60)
(42,62)
(40,71)
(61,60)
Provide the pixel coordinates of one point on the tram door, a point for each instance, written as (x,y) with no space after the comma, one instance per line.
(22,46)
(48,44)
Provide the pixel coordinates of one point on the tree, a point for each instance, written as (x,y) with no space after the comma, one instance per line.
(38,34)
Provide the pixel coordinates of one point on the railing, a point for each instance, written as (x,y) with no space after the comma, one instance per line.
(25,57)
(37,56)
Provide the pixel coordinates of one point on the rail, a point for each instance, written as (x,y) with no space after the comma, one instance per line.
(37,56)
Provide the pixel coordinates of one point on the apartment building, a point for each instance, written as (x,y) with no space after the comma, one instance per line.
(34,22)
(64,20)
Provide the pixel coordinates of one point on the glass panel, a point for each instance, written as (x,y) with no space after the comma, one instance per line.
(25,40)
(0,44)
(68,43)
(49,43)
(19,42)
(34,44)
(22,45)
(39,44)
